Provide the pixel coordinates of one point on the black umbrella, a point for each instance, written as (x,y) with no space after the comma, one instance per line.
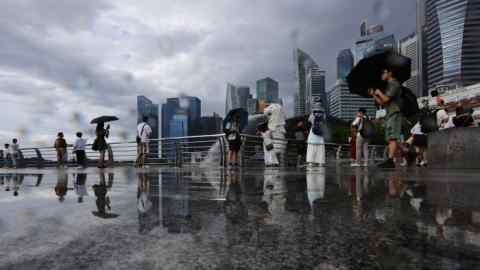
(242,113)
(368,72)
(103,119)
(262,127)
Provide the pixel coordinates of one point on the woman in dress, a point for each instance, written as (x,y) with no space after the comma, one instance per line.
(101,143)
(316,142)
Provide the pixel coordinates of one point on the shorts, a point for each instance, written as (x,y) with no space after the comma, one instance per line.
(420,140)
(393,127)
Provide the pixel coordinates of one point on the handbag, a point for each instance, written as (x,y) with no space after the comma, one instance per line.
(232,136)
(269,147)
(95,145)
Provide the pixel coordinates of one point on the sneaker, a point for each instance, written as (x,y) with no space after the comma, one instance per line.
(387,164)
(404,163)
(355,164)
(365,164)
(423,164)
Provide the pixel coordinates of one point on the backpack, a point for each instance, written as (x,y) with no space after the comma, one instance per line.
(428,121)
(317,127)
(368,129)
(408,104)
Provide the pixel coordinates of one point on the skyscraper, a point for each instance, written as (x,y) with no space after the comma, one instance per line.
(186,105)
(374,42)
(315,87)
(344,63)
(305,64)
(145,107)
(178,125)
(267,90)
(450,42)
(409,47)
(344,105)
(237,97)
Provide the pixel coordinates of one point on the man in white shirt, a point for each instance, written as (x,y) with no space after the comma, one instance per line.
(144,131)
(79,149)
(361,142)
(442,116)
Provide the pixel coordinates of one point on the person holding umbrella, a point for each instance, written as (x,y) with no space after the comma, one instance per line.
(390,100)
(233,125)
(100,142)
(399,103)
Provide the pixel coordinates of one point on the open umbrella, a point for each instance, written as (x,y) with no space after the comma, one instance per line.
(103,119)
(262,127)
(368,72)
(242,113)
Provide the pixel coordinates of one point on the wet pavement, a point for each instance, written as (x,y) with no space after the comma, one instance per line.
(326,218)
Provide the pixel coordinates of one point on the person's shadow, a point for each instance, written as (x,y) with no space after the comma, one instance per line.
(103,201)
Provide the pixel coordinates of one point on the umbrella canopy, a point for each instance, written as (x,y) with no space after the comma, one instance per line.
(104,215)
(243,117)
(262,127)
(103,119)
(368,72)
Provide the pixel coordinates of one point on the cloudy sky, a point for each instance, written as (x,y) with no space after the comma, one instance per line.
(64,62)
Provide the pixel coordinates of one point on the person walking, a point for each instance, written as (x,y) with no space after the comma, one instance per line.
(315,141)
(269,154)
(420,141)
(361,142)
(61,149)
(100,143)
(390,100)
(79,150)
(14,152)
(144,131)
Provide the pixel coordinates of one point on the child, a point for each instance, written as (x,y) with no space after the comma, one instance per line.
(79,149)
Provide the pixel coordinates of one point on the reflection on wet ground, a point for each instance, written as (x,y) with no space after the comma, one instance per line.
(327,218)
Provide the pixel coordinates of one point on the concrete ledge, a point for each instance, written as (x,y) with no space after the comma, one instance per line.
(456,148)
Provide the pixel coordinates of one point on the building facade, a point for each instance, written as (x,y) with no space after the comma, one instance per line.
(187,105)
(211,124)
(315,88)
(450,42)
(145,107)
(178,126)
(374,42)
(304,65)
(237,97)
(344,105)
(408,47)
(267,90)
(344,64)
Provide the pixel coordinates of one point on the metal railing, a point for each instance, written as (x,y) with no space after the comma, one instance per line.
(185,151)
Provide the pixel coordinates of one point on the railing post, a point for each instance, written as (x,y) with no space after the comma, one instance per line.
(178,154)
(39,158)
(339,151)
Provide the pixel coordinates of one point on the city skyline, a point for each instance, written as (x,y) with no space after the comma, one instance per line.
(80,61)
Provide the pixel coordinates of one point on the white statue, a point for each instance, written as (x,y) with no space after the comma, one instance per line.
(276,123)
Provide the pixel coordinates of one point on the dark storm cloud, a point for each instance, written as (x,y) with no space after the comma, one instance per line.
(104,53)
